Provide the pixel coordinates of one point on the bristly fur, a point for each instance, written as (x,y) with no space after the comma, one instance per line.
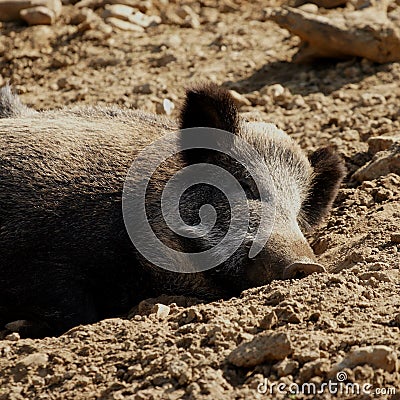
(66,256)
(329,171)
(211,106)
(11,105)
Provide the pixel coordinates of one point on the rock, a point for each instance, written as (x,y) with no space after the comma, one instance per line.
(35,359)
(380,143)
(169,16)
(180,371)
(240,100)
(94,27)
(377,356)
(188,316)
(92,4)
(10,9)
(173,41)
(286,367)
(144,20)
(288,314)
(190,18)
(309,7)
(395,237)
(38,16)
(145,88)
(161,310)
(88,21)
(164,60)
(383,163)
(55,5)
(120,11)
(141,5)
(130,14)
(124,25)
(257,100)
(378,275)
(277,93)
(372,99)
(62,83)
(168,106)
(306,355)
(364,33)
(13,337)
(314,368)
(228,6)
(83,15)
(268,346)
(269,321)
(318,3)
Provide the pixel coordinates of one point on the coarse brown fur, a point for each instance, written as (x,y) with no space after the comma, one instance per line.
(66,256)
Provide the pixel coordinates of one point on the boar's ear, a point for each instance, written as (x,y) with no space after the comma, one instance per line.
(209,106)
(329,171)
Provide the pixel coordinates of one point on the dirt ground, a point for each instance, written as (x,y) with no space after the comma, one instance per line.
(300,331)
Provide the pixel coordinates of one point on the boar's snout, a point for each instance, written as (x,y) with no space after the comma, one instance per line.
(302,269)
(286,256)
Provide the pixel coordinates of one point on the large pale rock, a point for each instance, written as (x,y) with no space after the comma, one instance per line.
(141,5)
(144,20)
(319,3)
(10,9)
(383,163)
(38,16)
(377,356)
(124,25)
(367,33)
(381,143)
(33,360)
(120,11)
(268,346)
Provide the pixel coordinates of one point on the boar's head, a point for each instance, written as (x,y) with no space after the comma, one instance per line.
(304,190)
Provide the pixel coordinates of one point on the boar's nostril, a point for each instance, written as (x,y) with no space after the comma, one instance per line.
(301,269)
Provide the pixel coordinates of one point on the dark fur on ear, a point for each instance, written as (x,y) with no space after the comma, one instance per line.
(211,106)
(329,171)
(207,106)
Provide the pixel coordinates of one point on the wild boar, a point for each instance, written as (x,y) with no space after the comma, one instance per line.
(66,255)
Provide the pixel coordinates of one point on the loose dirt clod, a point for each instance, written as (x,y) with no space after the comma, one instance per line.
(268,346)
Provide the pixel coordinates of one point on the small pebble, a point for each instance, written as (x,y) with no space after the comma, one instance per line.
(162,311)
(395,237)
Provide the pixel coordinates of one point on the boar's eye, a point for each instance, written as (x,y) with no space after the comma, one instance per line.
(329,171)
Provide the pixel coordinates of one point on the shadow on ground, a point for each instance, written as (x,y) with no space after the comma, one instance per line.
(325,75)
